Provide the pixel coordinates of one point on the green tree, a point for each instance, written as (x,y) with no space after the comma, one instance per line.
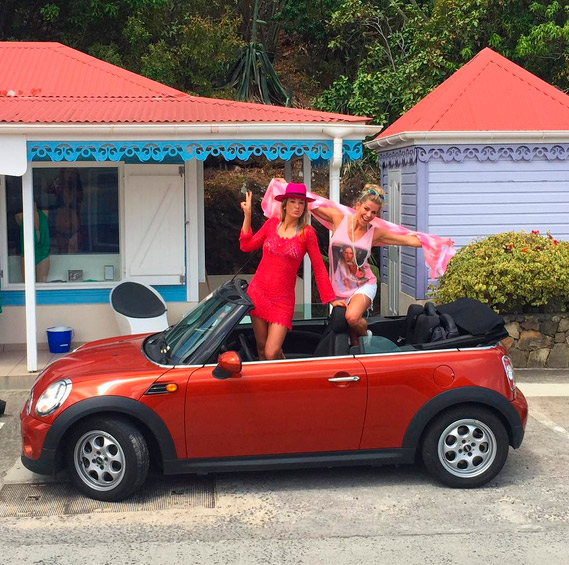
(187,44)
(404,49)
(544,47)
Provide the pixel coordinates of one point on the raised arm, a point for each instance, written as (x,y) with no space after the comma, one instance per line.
(323,284)
(249,241)
(330,215)
(246,207)
(382,236)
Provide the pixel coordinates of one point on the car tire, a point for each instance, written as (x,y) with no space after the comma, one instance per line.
(465,447)
(107,458)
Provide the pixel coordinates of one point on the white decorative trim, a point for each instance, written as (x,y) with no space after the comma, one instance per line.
(459,153)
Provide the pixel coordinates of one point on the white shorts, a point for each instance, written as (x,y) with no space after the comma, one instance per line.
(369,290)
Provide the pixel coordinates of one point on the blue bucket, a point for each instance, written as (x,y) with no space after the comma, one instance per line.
(59,339)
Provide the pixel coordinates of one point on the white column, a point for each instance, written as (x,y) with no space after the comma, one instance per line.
(307,269)
(30,270)
(335,165)
(195,260)
(202,274)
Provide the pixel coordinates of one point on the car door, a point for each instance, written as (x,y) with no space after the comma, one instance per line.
(285,406)
(398,385)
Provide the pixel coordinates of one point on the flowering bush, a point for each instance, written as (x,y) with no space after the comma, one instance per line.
(511,272)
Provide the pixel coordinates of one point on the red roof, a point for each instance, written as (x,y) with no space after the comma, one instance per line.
(51,83)
(489,93)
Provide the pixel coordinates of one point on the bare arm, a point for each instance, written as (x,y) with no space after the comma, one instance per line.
(330,215)
(246,207)
(384,237)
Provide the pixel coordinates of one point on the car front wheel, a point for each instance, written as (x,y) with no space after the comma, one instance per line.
(107,458)
(465,447)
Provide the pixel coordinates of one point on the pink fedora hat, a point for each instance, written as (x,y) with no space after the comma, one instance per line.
(294,190)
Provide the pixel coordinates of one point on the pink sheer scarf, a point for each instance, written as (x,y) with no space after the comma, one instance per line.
(438,250)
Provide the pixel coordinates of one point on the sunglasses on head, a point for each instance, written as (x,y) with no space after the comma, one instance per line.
(375,193)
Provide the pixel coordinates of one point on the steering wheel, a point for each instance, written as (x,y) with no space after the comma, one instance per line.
(245,348)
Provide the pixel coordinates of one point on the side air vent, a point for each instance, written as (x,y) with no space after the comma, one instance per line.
(162,388)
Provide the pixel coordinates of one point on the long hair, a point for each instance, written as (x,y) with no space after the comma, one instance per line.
(302,221)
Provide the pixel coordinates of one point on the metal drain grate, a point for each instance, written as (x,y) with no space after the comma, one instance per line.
(55,499)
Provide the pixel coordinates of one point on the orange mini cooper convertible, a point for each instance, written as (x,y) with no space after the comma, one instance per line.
(434,385)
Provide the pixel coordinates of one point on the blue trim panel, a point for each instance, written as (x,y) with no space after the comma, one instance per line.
(172,293)
(161,151)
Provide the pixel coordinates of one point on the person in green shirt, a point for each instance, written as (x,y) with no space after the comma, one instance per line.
(41,242)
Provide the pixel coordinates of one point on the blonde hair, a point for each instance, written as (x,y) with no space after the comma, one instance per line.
(302,221)
(373,193)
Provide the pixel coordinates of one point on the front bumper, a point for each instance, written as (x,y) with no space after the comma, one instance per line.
(34,456)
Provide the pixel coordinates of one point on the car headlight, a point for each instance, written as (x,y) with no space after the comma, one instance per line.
(53,397)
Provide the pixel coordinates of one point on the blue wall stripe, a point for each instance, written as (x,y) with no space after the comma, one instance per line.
(174,293)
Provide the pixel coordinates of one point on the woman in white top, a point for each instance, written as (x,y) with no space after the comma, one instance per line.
(355,231)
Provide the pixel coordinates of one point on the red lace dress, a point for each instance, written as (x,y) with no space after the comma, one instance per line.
(272,286)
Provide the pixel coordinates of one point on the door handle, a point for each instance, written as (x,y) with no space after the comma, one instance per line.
(352,379)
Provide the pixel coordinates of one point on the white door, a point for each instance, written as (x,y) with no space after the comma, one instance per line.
(393,251)
(154,226)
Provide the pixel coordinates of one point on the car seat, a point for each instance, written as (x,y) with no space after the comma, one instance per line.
(336,337)
(445,330)
(138,308)
(413,313)
(426,322)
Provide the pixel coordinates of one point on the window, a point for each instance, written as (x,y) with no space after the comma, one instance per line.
(77,225)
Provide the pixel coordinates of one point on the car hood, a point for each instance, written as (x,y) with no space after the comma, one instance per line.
(121,356)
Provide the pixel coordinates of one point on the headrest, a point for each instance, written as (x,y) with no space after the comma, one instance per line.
(448,324)
(337,321)
(430,309)
(412,313)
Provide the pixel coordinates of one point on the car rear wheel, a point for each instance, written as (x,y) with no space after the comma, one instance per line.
(107,458)
(465,447)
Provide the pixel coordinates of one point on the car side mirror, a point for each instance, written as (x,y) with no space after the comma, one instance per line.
(228,366)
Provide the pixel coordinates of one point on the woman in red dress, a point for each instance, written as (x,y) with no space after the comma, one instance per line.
(285,241)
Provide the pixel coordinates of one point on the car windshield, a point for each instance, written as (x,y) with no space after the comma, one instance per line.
(181,340)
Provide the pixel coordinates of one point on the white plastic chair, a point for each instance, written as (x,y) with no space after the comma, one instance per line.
(138,308)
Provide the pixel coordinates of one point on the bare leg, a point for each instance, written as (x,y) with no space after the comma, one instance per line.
(260,329)
(275,339)
(42,270)
(354,316)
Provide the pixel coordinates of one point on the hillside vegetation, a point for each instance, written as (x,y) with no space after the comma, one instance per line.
(367,57)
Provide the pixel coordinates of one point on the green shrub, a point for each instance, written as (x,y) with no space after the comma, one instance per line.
(511,272)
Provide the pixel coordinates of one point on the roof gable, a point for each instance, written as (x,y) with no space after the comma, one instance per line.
(43,82)
(489,93)
(46,69)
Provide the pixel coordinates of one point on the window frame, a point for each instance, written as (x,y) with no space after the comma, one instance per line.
(6,285)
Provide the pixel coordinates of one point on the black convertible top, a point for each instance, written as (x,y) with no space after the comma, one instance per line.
(472,316)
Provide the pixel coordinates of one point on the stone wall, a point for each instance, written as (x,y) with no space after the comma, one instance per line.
(538,340)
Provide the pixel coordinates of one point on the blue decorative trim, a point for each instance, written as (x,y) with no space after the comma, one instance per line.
(83,296)
(160,151)
(352,150)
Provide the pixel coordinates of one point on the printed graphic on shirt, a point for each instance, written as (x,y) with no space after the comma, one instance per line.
(349,270)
